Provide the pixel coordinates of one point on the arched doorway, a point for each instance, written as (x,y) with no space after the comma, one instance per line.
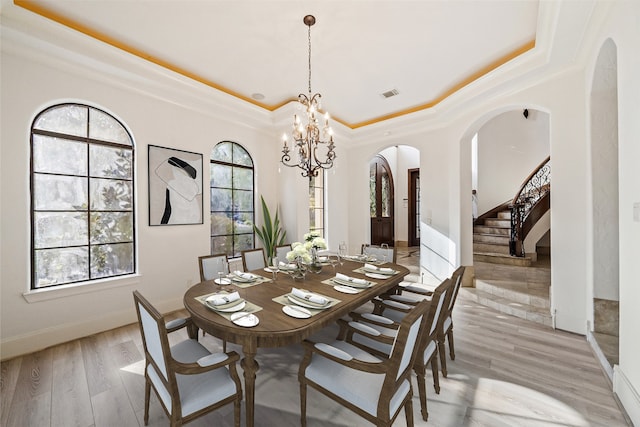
(381,201)
(604,188)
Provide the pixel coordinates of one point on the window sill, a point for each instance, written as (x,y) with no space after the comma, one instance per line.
(45,294)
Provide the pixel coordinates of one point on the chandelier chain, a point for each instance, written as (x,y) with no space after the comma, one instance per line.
(309,40)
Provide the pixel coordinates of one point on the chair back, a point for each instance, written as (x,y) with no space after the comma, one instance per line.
(437,305)
(154,334)
(210,265)
(390,254)
(253,259)
(282,251)
(456,279)
(407,339)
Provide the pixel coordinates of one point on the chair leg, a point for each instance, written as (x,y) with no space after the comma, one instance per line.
(422,392)
(303,405)
(434,372)
(408,412)
(236,412)
(452,352)
(224,346)
(147,396)
(443,356)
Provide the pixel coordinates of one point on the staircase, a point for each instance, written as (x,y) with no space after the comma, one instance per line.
(521,291)
(491,241)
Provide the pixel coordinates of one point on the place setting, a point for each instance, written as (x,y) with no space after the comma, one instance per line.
(232,307)
(376,272)
(348,285)
(302,304)
(245,279)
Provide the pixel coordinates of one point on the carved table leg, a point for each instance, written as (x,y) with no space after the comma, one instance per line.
(250,367)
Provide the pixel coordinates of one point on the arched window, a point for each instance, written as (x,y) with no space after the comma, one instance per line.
(232,213)
(82,197)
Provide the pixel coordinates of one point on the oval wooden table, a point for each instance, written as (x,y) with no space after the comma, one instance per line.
(276,329)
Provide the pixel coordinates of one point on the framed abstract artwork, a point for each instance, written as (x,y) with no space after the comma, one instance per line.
(175,186)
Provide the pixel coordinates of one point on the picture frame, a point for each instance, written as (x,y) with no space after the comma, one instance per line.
(175,186)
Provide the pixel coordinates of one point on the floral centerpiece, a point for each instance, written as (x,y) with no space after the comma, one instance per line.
(305,253)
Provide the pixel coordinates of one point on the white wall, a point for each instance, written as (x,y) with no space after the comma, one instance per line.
(622,26)
(510,147)
(33,79)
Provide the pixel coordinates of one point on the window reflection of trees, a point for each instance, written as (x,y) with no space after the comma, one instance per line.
(231,188)
(82,190)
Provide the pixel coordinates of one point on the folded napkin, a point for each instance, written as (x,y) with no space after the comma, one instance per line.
(222,299)
(308,296)
(379,269)
(290,266)
(244,276)
(345,278)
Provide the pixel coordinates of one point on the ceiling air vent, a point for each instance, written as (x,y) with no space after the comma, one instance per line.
(390,93)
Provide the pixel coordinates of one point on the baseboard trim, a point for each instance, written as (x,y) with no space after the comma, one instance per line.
(627,395)
(47,337)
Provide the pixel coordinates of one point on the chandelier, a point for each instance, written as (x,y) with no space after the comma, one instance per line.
(307,138)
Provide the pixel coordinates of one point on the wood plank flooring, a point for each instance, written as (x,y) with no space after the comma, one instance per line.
(507,372)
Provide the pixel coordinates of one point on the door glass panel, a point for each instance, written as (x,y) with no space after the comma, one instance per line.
(372,190)
(386,194)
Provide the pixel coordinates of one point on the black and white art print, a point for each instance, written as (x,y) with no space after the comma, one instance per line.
(175,186)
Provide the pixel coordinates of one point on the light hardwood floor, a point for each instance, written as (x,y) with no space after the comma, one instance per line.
(507,372)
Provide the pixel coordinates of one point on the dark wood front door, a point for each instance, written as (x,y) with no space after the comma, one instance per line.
(414,207)
(381,202)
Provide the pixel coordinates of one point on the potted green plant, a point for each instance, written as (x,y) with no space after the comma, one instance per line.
(271,234)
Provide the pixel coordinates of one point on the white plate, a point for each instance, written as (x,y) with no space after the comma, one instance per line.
(345,289)
(231,309)
(223,281)
(297,312)
(376,275)
(244,319)
(308,305)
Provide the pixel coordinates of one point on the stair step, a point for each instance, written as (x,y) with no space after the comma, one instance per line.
(507,306)
(500,258)
(483,229)
(491,238)
(497,222)
(535,294)
(491,248)
(504,215)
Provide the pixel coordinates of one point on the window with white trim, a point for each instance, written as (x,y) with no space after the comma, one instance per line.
(82,197)
(232,211)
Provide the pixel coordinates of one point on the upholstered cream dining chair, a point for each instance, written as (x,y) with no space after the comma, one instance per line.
(211,265)
(366,330)
(253,259)
(376,388)
(188,380)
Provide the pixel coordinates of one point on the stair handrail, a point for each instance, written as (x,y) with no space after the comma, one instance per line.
(533,192)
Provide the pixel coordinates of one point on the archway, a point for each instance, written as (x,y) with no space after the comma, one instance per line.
(604,192)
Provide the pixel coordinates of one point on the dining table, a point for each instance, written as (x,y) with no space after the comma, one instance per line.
(266,300)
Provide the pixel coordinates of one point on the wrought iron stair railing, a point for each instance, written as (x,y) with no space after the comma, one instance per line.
(529,204)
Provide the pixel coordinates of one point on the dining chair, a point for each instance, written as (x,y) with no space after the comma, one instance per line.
(211,265)
(389,254)
(365,329)
(376,388)
(445,329)
(188,380)
(253,259)
(282,251)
